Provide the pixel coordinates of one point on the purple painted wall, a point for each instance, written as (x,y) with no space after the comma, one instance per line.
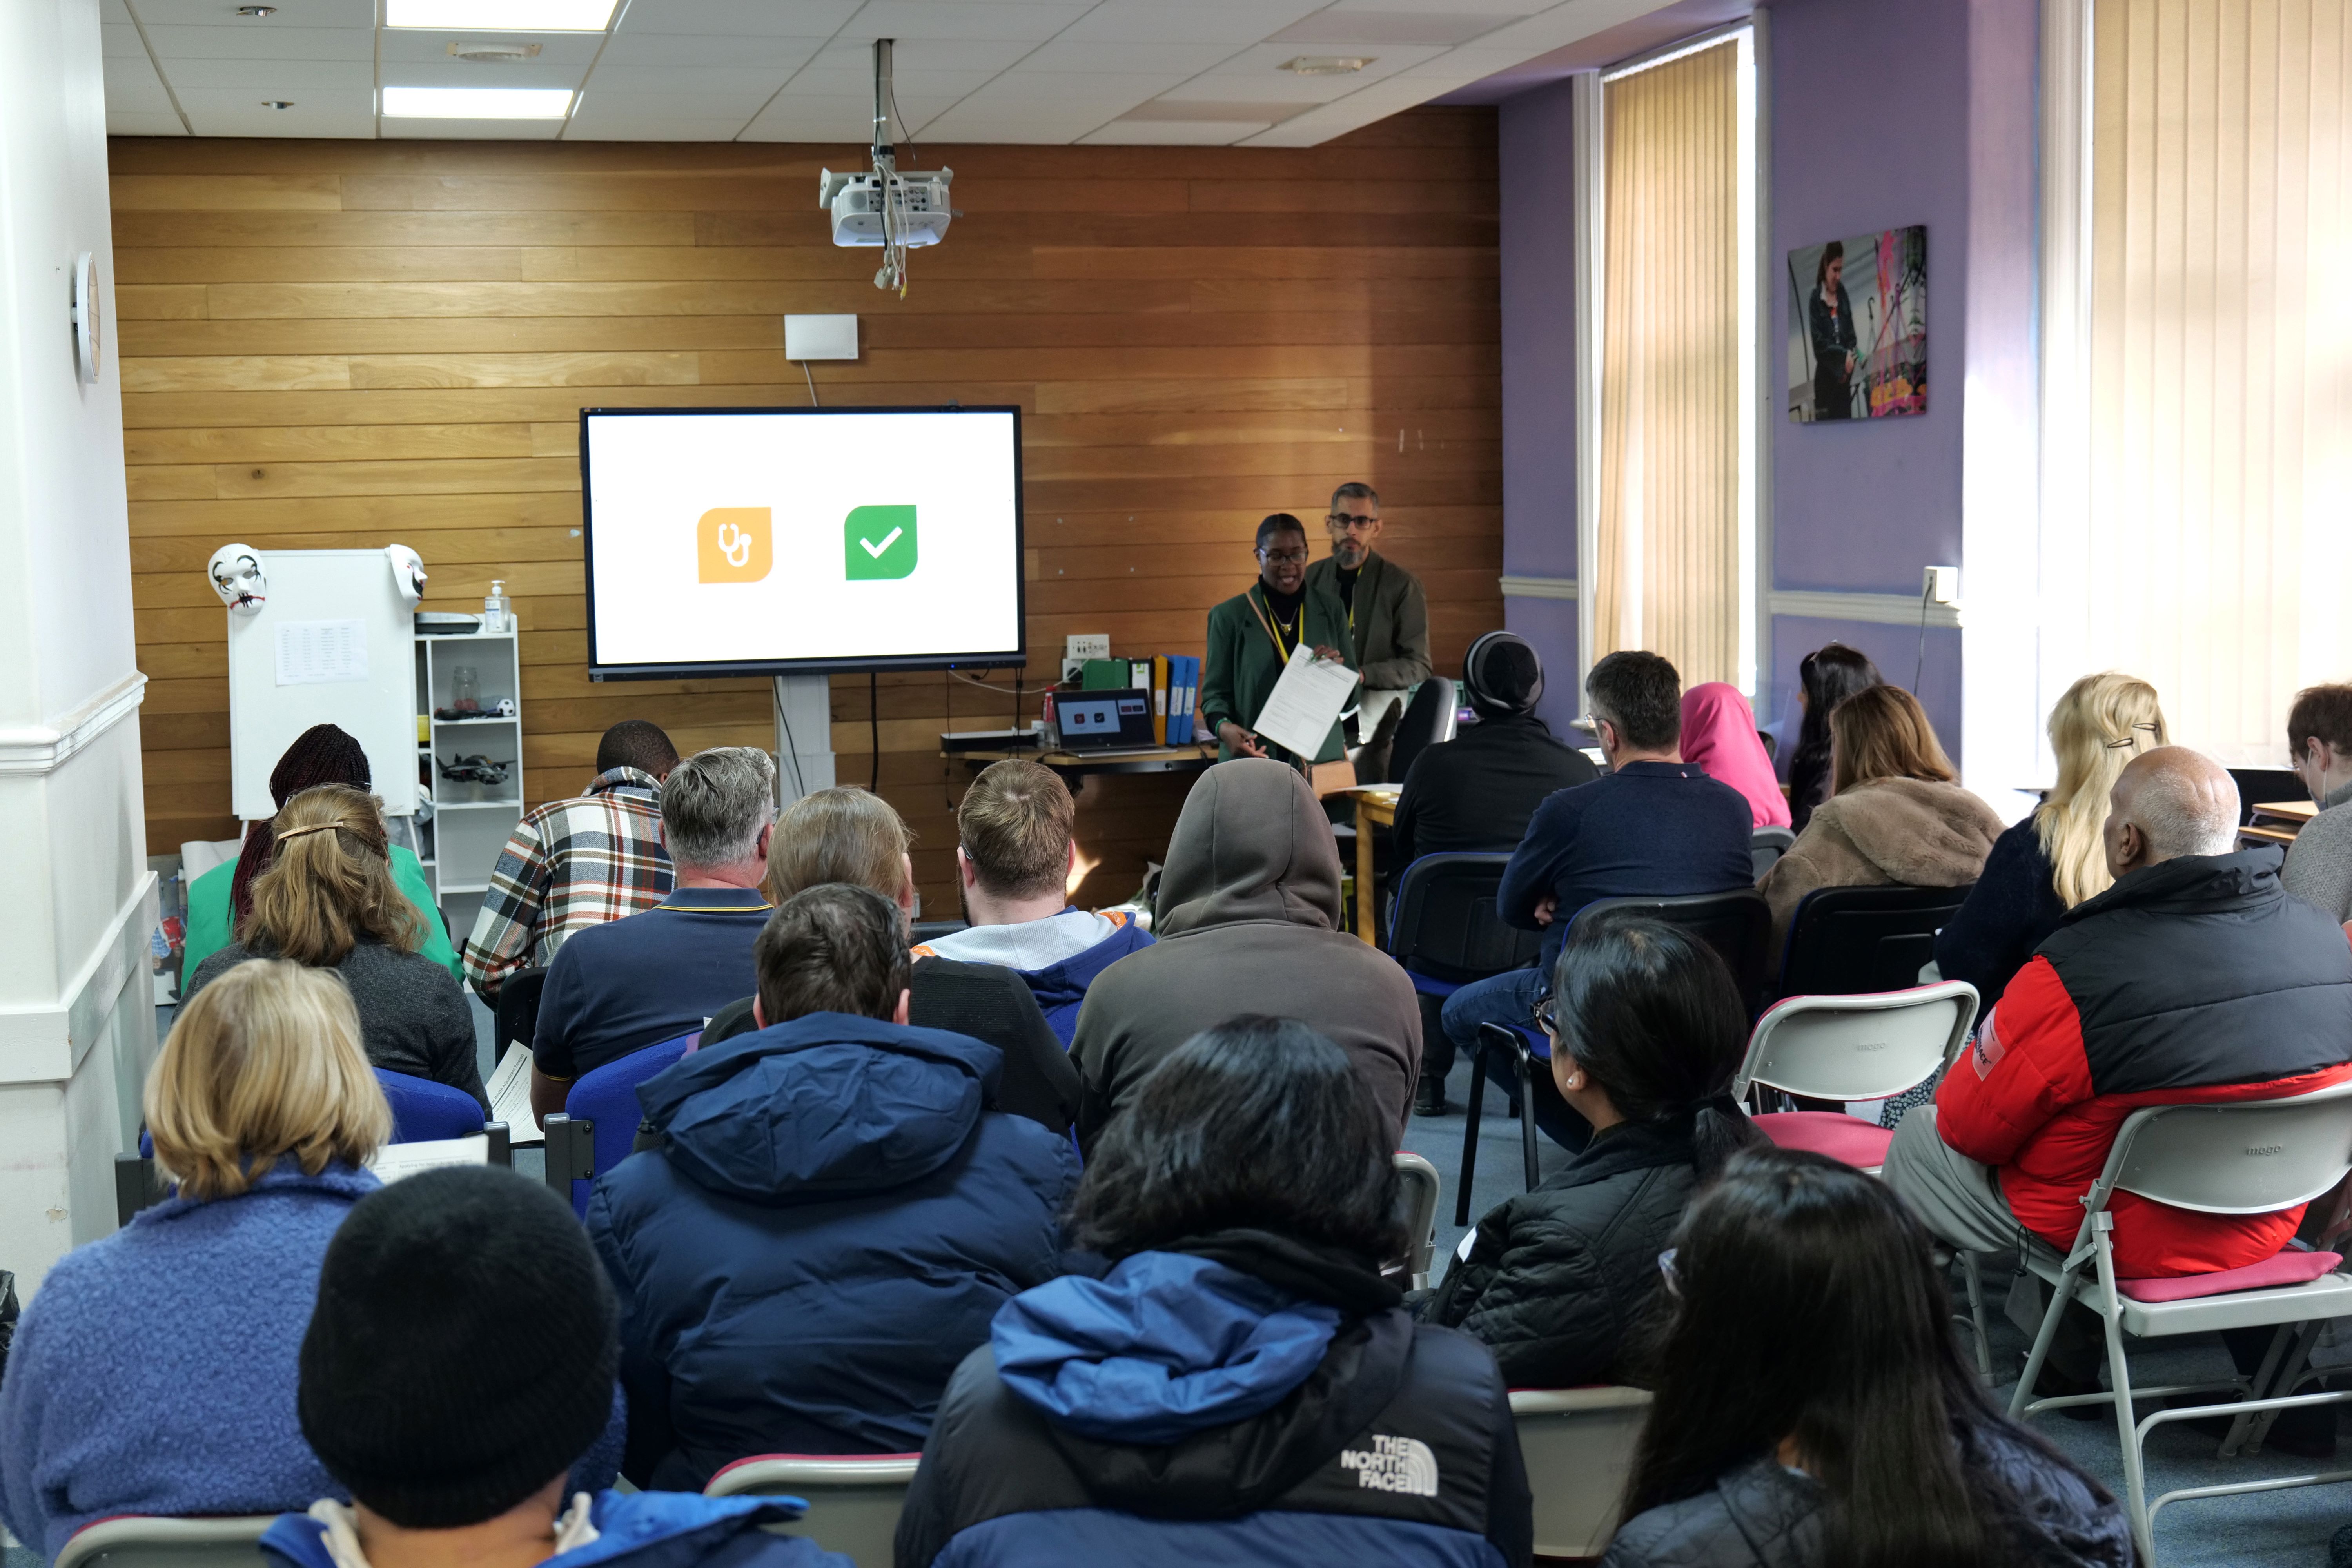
(1539,239)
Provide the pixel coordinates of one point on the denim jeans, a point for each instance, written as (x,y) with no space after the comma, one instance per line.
(1509,998)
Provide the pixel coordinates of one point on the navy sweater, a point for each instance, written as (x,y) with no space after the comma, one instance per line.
(1650,829)
(2011,912)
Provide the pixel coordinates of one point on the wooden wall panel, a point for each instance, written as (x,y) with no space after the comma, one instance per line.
(336,345)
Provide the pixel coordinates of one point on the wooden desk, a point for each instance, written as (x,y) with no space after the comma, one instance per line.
(1079,764)
(2251,833)
(2290,815)
(1375,804)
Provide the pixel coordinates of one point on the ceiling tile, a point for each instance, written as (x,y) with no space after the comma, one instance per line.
(357,14)
(119,124)
(472,129)
(216,111)
(132,86)
(588,126)
(416,44)
(1169,133)
(1196,22)
(1034,20)
(782,55)
(1175,60)
(271,78)
(686,80)
(1390,27)
(747,19)
(121,40)
(179,42)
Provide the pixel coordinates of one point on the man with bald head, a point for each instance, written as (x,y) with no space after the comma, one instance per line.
(2193,979)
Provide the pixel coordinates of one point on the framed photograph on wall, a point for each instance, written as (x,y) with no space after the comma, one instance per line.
(1858,327)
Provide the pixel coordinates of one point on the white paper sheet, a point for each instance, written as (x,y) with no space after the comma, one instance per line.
(1306,702)
(510,1092)
(394,1161)
(321,652)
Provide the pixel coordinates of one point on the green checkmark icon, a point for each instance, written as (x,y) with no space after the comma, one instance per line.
(878,542)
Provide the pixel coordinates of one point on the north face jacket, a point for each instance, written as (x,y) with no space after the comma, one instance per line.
(1555,1278)
(2193,980)
(1764,1515)
(631,1530)
(1184,1410)
(829,1223)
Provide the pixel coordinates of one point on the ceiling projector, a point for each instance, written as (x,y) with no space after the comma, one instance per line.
(886,207)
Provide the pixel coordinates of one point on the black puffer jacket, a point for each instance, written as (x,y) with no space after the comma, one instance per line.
(1555,1277)
(1763,1515)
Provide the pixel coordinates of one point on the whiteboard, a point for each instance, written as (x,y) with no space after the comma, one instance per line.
(326,609)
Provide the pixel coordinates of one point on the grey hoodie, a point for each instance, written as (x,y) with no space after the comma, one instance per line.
(1248,916)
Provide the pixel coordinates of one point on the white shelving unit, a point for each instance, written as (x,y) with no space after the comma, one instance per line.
(469,822)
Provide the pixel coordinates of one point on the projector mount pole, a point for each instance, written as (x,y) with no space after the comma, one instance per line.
(893,271)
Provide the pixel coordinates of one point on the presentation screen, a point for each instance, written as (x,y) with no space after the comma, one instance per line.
(777,541)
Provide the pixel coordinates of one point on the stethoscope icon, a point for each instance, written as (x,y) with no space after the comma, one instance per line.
(737,549)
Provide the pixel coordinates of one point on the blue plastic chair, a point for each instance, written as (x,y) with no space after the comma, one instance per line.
(600,1118)
(424,1111)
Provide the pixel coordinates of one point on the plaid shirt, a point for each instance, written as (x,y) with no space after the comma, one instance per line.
(570,864)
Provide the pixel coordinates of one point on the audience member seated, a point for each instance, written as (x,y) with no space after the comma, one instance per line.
(635,982)
(851,835)
(1248,922)
(836,1171)
(2319,740)
(219,900)
(1476,791)
(1015,859)
(2054,858)
(1812,1409)
(1719,736)
(1654,824)
(572,864)
(1647,1028)
(459,1362)
(143,1353)
(328,902)
(2192,979)
(1895,818)
(1825,677)
(1240,1385)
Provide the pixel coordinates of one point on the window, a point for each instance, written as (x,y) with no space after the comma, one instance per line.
(1673,537)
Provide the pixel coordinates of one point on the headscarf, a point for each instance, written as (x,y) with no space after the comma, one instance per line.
(1719,735)
(321,755)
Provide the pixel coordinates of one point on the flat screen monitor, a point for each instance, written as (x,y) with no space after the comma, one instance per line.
(788,541)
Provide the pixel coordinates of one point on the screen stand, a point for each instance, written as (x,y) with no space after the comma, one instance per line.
(803,735)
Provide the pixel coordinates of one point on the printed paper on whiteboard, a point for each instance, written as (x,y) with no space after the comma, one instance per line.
(1306,702)
(321,653)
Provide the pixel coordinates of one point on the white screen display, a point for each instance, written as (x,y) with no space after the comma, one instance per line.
(841,539)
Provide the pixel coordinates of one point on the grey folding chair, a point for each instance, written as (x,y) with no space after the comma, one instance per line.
(1420,1181)
(144,1541)
(1579,1445)
(852,1502)
(1861,1048)
(2249,1157)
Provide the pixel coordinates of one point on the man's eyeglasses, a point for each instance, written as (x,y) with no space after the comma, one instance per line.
(1343,520)
(1288,557)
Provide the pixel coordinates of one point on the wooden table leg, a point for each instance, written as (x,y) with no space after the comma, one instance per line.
(1364,874)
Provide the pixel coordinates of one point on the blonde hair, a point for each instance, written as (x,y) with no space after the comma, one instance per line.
(1882,733)
(839,835)
(329,882)
(2102,722)
(1015,823)
(264,1062)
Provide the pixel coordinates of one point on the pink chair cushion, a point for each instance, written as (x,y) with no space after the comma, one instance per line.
(1847,1139)
(2288,1268)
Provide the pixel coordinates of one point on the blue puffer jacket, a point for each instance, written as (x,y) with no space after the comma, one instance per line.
(1181,1411)
(634,1529)
(829,1225)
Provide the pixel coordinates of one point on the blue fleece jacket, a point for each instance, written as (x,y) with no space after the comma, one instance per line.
(830,1223)
(142,1353)
(1059,984)
(637,1529)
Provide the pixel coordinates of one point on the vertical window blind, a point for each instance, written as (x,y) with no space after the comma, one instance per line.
(2220,358)
(1668,573)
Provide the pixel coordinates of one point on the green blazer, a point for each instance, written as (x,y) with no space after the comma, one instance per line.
(208,914)
(1242,666)
(1392,622)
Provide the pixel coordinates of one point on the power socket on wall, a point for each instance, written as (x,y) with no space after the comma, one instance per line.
(1941,586)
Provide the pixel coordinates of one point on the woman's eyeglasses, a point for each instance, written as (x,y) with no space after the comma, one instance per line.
(1286,557)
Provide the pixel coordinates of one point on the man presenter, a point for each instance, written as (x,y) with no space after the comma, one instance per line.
(1388,613)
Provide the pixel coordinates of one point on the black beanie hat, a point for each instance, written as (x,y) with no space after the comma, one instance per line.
(1502,676)
(462,1352)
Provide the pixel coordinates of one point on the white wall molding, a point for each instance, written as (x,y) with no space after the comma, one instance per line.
(1875,609)
(41,748)
(44,1043)
(1539,587)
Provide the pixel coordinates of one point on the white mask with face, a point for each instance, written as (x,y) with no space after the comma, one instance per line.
(236,577)
(407,572)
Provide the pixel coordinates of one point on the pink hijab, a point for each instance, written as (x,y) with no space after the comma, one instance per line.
(1719,735)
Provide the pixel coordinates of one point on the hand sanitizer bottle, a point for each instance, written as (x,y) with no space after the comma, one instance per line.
(498,615)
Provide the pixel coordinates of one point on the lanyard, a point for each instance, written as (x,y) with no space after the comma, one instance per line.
(1266,618)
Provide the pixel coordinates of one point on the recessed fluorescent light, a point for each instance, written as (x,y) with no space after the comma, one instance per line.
(501,15)
(1325,65)
(477,102)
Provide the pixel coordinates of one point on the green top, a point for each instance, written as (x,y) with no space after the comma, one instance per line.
(1243,665)
(208,916)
